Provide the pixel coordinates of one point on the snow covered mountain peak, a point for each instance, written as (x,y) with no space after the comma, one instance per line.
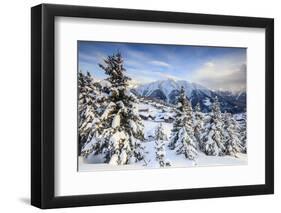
(168,91)
(167,86)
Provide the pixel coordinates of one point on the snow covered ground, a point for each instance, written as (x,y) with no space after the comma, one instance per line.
(92,163)
(95,163)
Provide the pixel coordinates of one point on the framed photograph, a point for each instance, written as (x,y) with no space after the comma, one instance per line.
(139,106)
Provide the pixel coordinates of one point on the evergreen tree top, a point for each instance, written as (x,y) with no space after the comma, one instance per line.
(197,107)
(183,103)
(115,69)
(159,133)
(216,106)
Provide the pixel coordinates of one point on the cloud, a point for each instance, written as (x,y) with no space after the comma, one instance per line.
(136,59)
(223,74)
(142,75)
(134,54)
(92,57)
(133,63)
(168,76)
(209,64)
(85,57)
(160,63)
(145,75)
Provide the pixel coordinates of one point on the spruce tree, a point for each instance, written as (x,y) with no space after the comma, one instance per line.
(213,143)
(233,144)
(182,136)
(198,124)
(160,146)
(88,106)
(243,134)
(121,128)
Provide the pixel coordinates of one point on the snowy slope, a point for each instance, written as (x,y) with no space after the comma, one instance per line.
(95,162)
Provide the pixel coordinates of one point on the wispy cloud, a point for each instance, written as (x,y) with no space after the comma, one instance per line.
(92,57)
(169,76)
(160,63)
(136,55)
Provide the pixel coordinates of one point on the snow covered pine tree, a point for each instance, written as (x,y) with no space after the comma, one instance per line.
(233,144)
(243,134)
(213,136)
(198,124)
(121,128)
(88,108)
(182,136)
(160,146)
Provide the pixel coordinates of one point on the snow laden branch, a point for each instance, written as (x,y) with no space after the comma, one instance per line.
(91,100)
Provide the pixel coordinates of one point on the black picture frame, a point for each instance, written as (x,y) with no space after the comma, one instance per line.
(43,102)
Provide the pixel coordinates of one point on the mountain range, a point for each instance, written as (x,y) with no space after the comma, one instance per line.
(168,91)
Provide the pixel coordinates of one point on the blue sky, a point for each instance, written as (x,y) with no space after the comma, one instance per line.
(213,67)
